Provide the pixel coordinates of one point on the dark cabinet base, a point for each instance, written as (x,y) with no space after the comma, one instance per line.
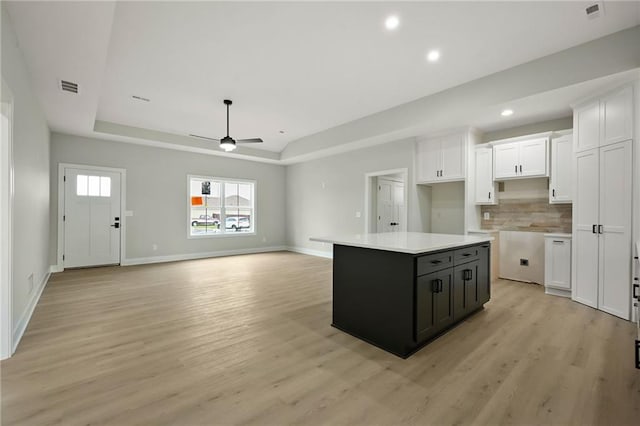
(400,302)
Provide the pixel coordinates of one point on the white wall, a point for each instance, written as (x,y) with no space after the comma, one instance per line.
(30,254)
(324,195)
(447,208)
(157,195)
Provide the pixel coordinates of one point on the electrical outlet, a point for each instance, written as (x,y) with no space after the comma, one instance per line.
(154,247)
(357,214)
(486,216)
(524,262)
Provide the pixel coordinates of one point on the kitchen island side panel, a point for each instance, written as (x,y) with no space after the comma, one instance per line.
(373,296)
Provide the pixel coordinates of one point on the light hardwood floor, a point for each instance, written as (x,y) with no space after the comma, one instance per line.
(247,340)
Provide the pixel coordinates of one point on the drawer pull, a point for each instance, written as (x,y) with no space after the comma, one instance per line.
(435,262)
(558,241)
(466,254)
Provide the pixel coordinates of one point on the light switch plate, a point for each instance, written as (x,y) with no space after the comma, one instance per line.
(486,216)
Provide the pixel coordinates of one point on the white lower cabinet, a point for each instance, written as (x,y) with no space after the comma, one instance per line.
(557,264)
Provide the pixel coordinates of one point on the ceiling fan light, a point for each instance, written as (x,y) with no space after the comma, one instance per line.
(228,146)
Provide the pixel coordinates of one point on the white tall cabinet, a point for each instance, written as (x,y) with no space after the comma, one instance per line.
(602,209)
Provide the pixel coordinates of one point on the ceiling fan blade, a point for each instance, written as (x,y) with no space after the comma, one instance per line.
(204,137)
(253,140)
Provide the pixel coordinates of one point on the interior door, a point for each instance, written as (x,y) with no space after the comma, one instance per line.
(390,205)
(91,218)
(615,229)
(584,279)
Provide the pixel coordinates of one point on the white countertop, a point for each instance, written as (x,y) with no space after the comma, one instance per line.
(404,242)
(557,235)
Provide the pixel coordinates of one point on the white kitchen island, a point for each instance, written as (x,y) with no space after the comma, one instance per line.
(400,290)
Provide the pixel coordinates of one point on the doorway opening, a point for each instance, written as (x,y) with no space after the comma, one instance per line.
(386,194)
(90,216)
(6,211)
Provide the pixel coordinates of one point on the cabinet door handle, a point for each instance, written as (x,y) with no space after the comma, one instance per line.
(520,168)
(489,194)
(436,286)
(439,286)
(593,229)
(516,168)
(553,193)
(558,241)
(600,229)
(636,287)
(467,275)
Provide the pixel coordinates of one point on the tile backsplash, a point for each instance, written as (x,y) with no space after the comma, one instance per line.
(529,214)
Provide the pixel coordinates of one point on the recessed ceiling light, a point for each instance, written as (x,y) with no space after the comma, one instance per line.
(392,22)
(506,112)
(433,56)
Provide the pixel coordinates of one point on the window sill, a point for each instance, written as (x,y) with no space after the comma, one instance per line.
(225,235)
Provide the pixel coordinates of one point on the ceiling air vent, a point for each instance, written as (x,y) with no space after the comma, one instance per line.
(68,86)
(595,10)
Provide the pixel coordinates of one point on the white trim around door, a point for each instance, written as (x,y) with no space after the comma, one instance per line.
(61,207)
(6,224)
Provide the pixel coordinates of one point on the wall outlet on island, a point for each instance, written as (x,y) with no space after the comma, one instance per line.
(486,216)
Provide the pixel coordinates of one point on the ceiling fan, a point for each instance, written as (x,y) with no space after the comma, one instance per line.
(228,143)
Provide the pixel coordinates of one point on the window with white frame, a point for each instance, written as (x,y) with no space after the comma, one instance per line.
(220,206)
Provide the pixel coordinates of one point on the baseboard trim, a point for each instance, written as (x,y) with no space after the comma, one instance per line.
(318,253)
(23,322)
(194,256)
(55,268)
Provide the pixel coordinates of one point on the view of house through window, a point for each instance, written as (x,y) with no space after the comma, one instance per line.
(219,206)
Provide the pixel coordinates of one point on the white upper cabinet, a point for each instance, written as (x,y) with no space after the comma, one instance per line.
(522,159)
(561,175)
(484,187)
(605,121)
(441,159)
(586,124)
(616,118)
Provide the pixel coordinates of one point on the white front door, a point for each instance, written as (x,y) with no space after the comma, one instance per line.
(390,206)
(91,218)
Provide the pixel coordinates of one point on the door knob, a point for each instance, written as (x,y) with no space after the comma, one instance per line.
(116,225)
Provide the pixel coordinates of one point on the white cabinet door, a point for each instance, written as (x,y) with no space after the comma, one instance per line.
(505,160)
(484,190)
(453,158)
(615,229)
(586,125)
(584,280)
(429,160)
(533,158)
(557,265)
(616,116)
(561,175)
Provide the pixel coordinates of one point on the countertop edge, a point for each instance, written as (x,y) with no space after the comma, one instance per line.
(480,240)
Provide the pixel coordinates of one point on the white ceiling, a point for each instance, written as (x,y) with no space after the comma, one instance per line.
(299,67)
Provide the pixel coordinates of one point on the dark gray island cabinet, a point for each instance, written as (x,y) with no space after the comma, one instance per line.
(398,291)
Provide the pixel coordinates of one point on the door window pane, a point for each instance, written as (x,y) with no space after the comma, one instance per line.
(105,186)
(82,184)
(94,186)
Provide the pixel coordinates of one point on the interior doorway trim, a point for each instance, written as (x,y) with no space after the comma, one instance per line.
(6,228)
(61,193)
(368,178)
